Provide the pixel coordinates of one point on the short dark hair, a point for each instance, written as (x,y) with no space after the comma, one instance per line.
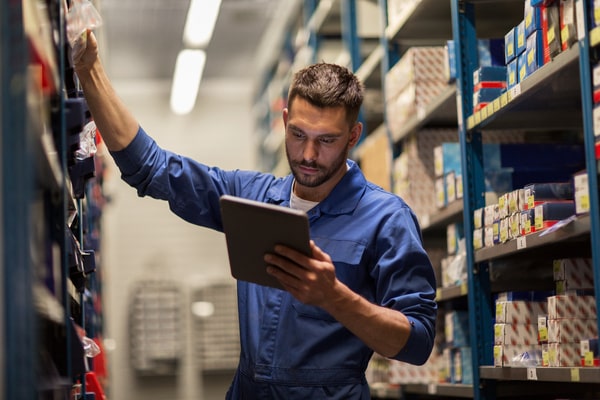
(328,85)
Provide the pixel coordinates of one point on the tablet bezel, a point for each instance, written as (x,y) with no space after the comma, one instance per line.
(253,228)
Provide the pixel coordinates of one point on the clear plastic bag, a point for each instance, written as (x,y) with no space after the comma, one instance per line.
(87,141)
(81,16)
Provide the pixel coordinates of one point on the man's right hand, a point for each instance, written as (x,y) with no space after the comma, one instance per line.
(85,51)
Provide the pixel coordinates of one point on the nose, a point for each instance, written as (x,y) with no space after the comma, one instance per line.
(310,150)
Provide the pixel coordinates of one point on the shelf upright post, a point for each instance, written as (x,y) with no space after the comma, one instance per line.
(589,140)
(479,295)
(18,333)
(390,57)
(310,7)
(350,37)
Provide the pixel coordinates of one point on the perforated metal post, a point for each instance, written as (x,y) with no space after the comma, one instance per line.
(479,295)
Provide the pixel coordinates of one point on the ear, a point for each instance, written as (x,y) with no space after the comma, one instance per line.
(285,117)
(355,133)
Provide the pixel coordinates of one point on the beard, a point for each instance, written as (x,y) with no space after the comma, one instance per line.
(323,173)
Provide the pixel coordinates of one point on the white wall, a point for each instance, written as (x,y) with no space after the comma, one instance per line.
(143,240)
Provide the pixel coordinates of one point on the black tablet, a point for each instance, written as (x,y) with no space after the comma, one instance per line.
(253,228)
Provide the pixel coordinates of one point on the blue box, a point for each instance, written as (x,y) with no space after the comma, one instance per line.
(548,213)
(534,156)
(486,95)
(520,38)
(535,52)
(491,52)
(510,46)
(446,159)
(538,192)
(451,63)
(457,328)
(532,18)
(522,67)
(512,77)
(494,73)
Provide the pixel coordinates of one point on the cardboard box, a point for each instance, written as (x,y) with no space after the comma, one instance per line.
(527,222)
(577,271)
(582,193)
(568,23)
(532,19)
(510,46)
(519,311)
(571,306)
(551,31)
(571,330)
(535,52)
(513,334)
(456,328)
(537,193)
(522,66)
(563,355)
(447,158)
(511,73)
(549,213)
(521,38)
(491,52)
(517,355)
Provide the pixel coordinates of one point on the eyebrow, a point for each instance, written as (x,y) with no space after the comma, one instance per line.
(298,129)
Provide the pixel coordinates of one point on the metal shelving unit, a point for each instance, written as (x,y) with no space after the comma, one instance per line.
(40,213)
(562,85)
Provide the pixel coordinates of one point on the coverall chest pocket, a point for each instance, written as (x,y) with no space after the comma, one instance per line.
(346,256)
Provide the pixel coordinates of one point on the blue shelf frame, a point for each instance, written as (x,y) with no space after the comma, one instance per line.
(479,293)
(19,328)
(590,141)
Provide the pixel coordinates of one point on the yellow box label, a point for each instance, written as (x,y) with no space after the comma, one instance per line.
(551,35)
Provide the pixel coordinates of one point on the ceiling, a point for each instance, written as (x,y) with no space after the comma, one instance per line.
(142,38)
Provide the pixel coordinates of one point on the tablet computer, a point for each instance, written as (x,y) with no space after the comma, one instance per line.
(253,228)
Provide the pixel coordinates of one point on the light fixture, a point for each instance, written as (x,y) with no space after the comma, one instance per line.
(186,80)
(200,22)
(203,309)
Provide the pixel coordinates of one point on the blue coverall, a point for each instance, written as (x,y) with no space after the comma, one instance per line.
(290,350)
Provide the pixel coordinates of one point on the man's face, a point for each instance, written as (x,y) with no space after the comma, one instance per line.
(317,143)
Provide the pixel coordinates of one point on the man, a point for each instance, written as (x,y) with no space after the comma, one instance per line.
(368,286)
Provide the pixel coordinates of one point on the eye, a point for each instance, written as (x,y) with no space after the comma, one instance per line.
(297,134)
(327,139)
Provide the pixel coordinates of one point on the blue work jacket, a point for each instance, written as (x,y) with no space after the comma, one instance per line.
(290,350)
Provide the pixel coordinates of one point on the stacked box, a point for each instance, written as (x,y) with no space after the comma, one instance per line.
(538,193)
(571,330)
(489,82)
(563,355)
(573,274)
(447,166)
(514,334)
(519,311)
(568,26)
(571,306)
(581,193)
(462,366)
(456,328)
(413,83)
(414,175)
(551,31)
(549,213)
(518,355)
(589,352)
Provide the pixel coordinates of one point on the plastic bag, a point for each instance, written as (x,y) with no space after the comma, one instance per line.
(87,141)
(81,16)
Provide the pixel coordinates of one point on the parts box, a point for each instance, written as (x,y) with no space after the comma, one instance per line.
(519,312)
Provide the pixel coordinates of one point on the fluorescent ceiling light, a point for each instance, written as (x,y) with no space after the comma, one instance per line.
(200,22)
(188,73)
